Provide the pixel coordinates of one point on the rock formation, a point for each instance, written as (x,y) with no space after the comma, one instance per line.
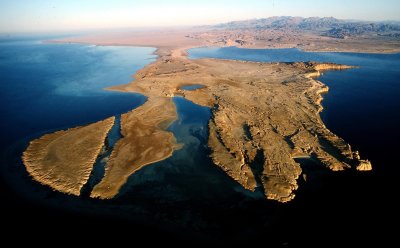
(64,160)
(264,116)
(144,141)
(364,165)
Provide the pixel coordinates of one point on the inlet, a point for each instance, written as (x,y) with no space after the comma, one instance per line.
(99,167)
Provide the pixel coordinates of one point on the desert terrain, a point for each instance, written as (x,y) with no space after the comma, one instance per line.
(264,115)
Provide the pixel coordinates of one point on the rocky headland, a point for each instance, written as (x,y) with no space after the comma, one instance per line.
(264,117)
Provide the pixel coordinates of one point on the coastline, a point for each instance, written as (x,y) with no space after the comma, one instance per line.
(240,139)
(64,159)
(144,141)
(304,49)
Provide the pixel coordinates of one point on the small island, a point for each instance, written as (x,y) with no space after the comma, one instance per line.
(64,160)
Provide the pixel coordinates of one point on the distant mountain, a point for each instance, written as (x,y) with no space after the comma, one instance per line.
(283,22)
(326,26)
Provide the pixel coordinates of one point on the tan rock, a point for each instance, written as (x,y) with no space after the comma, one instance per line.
(364,165)
(64,160)
(263,115)
(145,141)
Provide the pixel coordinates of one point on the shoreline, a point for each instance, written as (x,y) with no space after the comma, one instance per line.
(166,59)
(359,51)
(243,131)
(144,141)
(47,159)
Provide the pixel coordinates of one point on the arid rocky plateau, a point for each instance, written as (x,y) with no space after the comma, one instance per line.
(264,117)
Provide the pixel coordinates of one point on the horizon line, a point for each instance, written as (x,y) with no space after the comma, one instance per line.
(157,27)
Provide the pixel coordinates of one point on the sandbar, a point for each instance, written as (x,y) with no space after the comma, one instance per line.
(145,141)
(64,160)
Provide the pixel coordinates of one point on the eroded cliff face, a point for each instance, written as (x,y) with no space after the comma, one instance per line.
(264,116)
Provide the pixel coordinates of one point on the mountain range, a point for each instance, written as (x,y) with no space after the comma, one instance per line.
(326,26)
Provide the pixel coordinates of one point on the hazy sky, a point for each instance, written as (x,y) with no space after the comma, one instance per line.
(59,15)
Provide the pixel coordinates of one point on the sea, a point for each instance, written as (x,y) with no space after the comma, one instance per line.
(47,87)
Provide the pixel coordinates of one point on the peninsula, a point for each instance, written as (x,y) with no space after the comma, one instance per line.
(264,117)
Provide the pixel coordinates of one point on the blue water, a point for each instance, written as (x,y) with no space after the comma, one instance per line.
(362,105)
(99,166)
(53,86)
(192,87)
(47,87)
(188,175)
